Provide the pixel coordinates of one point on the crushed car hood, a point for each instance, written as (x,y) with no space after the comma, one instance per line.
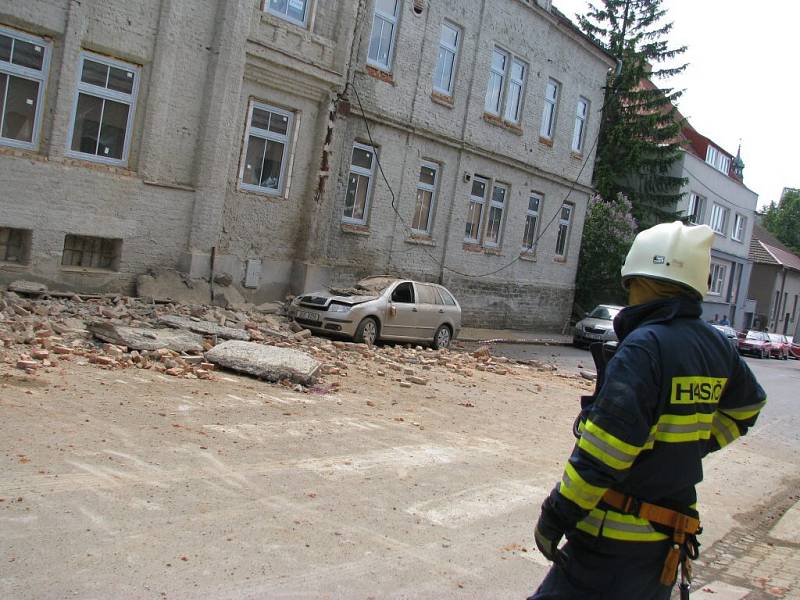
(343,296)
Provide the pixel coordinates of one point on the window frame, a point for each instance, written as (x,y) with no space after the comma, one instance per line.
(551,104)
(116,249)
(435,167)
(502,74)
(506,81)
(717,279)
(449,49)
(307,9)
(567,224)
(369,174)
(511,81)
(480,200)
(739,225)
(723,211)
(267,136)
(535,215)
(12,70)
(104,94)
(581,123)
(394,20)
(694,201)
(501,206)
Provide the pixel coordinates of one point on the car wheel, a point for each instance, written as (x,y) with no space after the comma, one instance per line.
(367,331)
(442,338)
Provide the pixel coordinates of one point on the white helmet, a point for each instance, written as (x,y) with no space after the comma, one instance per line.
(672,252)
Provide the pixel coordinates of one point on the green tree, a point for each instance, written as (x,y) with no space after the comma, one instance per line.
(640,130)
(782,219)
(608,233)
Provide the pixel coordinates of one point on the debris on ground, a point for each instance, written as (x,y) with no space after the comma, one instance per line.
(266,362)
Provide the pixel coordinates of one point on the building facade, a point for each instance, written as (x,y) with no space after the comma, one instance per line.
(774,284)
(299,143)
(715,195)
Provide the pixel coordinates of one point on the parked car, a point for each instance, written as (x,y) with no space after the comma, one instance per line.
(794,348)
(756,343)
(779,346)
(729,333)
(382,308)
(596,326)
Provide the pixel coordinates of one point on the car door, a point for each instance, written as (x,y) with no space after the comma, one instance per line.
(402,318)
(431,310)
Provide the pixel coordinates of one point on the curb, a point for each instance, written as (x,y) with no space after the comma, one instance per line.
(530,341)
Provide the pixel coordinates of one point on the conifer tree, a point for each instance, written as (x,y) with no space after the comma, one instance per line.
(639,133)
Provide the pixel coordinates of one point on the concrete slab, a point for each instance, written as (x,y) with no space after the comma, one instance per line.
(718,590)
(264,361)
(788,527)
(144,338)
(204,327)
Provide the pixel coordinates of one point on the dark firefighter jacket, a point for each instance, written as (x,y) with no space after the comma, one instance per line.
(674,391)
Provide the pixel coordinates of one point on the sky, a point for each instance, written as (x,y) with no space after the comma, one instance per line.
(742,82)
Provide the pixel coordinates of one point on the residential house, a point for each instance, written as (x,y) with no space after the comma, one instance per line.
(300,143)
(774,284)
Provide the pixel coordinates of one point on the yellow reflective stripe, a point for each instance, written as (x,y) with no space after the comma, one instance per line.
(618,526)
(745,412)
(651,439)
(684,428)
(575,488)
(724,429)
(607,448)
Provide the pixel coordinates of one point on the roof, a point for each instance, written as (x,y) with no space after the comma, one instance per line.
(765,249)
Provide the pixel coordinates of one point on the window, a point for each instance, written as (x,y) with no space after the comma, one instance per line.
(447,297)
(719,218)
(14,245)
(404,293)
(717,279)
(104,105)
(359,185)
(550,108)
(381,41)
(738,227)
(446,61)
(531,222)
(581,114)
(23,70)
(494,221)
(563,230)
(91,252)
(477,199)
(426,196)
(427,294)
(696,207)
(505,69)
(291,10)
(721,162)
(268,131)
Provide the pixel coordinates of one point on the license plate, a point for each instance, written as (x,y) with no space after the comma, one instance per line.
(307,316)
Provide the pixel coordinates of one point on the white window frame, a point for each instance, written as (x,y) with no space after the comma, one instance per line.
(426,187)
(497,109)
(550,110)
(516,116)
(495,205)
(285,16)
(566,224)
(719,218)
(696,200)
(481,201)
(717,159)
(510,113)
(581,120)
(739,225)
(263,134)
(717,279)
(12,70)
(369,174)
(447,49)
(105,94)
(379,15)
(532,214)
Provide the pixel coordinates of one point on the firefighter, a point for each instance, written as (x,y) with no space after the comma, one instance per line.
(673,391)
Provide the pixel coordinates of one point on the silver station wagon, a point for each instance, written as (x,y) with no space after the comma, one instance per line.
(382,308)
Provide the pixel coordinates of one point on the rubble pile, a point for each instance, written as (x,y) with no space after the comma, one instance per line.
(42,330)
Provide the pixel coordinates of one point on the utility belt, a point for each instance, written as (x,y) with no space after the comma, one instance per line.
(685,529)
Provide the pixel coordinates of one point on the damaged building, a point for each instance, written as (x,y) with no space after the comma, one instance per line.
(293,144)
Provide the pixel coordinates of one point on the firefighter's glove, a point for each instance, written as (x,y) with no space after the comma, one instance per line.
(548,533)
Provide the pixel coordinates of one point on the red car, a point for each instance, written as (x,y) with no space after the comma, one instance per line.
(779,346)
(756,343)
(794,348)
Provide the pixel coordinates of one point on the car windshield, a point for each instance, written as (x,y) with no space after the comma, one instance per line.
(774,337)
(755,335)
(604,312)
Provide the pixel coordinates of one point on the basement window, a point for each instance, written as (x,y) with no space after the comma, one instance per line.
(91,252)
(15,245)
(105,99)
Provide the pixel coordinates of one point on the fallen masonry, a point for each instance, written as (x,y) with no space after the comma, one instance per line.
(267,362)
(140,338)
(204,327)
